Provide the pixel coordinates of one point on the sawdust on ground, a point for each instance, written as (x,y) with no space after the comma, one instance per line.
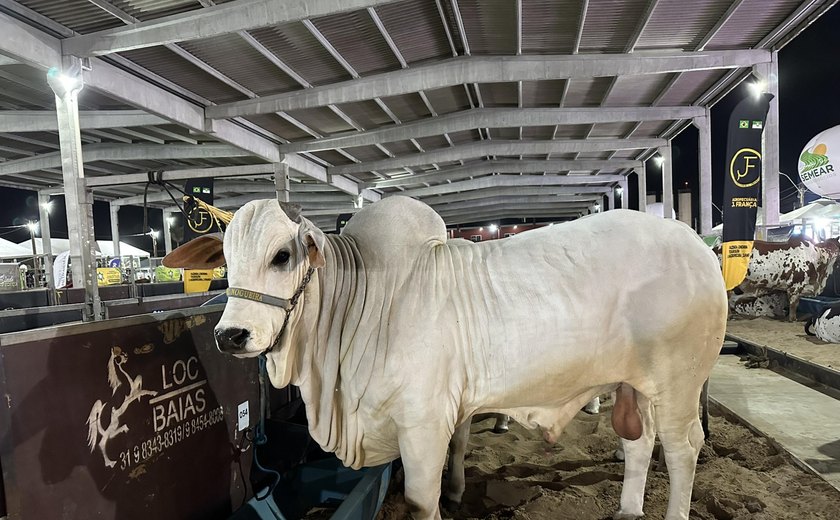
(787,337)
(518,476)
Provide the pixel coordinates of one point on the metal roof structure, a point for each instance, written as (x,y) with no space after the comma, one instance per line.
(481,108)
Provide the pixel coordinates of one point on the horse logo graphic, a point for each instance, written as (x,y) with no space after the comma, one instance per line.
(134,393)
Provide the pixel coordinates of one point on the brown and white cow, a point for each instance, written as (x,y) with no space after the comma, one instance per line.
(796,267)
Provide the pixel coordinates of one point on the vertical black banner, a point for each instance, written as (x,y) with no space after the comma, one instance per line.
(198,221)
(742,187)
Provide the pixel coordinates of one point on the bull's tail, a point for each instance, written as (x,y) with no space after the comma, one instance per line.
(809,326)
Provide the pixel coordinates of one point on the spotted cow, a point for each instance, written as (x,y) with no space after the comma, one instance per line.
(796,267)
(825,325)
(773,305)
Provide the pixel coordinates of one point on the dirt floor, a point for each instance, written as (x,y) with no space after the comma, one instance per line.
(787,337)
(518,476)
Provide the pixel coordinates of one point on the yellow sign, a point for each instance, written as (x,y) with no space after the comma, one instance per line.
(108,276)
(745,168)
(219,272)
(197,280)
(736,261)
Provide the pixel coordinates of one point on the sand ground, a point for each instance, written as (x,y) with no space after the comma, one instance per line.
(787,337)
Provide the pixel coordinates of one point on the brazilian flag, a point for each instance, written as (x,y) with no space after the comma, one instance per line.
(198,221)
(742,186)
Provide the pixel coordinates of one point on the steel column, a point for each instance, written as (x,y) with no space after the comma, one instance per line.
(44,216)
(625,196)
(115,228)
(641,174)
(281,181)
(77,197)
(769,73)
(167,232)
(704,148)
(667,181)
(611,199)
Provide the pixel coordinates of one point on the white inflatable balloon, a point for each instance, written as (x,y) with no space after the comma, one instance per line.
(819,164)
(657,209)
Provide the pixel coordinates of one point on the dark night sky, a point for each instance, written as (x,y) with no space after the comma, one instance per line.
(808,78)
(808,104)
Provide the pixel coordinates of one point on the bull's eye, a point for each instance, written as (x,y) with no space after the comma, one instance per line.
(281,258)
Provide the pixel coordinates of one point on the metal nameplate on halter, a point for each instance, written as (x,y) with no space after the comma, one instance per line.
(254,296)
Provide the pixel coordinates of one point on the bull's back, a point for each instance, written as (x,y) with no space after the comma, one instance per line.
(600,294)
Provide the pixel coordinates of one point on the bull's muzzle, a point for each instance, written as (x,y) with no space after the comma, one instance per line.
(231,340)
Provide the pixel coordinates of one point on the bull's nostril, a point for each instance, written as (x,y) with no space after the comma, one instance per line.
(232,338)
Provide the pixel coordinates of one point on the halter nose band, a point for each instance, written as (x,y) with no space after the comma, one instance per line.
(254,296)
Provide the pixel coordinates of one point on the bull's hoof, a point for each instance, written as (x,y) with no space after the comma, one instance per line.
(500,429)
(450,505)
(626,516)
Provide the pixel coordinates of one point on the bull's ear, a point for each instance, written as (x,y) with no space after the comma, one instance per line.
(313,240)
(204,252)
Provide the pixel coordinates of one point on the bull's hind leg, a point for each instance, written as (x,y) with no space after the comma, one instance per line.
(453,488)
(681,434)
(637,455)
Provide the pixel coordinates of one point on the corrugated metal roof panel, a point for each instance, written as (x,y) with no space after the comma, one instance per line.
(366,153)
(651,129)
(432,143)
(677,24)
(467,136)
(356,38)
(448,99)
(79,15)
(366,113)
(610,23)
(165,63)
(537,132)
(637,90)
(616,130)
(401,147)
(322,120)
(278,126)
(416,28)
(499,94)
(490,25)
(407,108)
(151,9)
(332,157)
(549,27)
(586,92)
(504,133)
(626,154)
(297,48)
(690,86)
(571,131)
(236,59)
(751,22)
(542,93)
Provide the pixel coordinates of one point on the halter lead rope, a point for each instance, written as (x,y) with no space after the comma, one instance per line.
(287,305)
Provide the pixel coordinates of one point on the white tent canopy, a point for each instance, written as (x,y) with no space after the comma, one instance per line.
(103,247)
(9,249)
(106,247)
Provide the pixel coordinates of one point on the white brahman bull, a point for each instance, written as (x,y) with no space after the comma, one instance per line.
(396,337)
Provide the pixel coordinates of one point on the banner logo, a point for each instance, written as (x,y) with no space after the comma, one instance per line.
(745,168)
(199,220)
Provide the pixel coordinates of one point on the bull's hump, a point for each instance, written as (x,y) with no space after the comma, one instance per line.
(396,222)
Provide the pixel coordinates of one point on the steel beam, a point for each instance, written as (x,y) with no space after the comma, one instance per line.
(178,175)
(494,147)
(493,118)
(561,192)
(45,121)
(104,152)
(488,69)
(496,181)
(238,15)
(167,231)
(115,229)
(704,156)
(239,201)
(41,50)
(524,166)
(513,201)
(641,175)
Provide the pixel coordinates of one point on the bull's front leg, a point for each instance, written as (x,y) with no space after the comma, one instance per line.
(423,453)
(453,488)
